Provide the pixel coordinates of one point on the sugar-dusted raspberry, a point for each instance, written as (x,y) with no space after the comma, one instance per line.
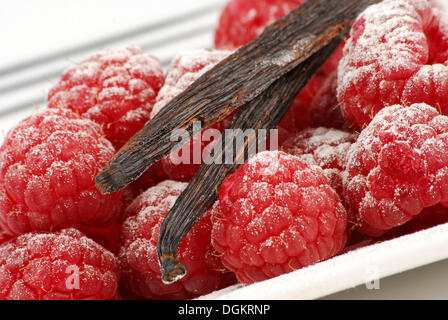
(56,266)
(48,164)
(397,53)
(184,70)
(428,218)
(276,214)
(325,110)
(115,88)
(138,255)
(325,148)
(397,167)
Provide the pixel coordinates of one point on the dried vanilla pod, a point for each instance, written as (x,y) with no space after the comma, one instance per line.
(232,83)
(264,112)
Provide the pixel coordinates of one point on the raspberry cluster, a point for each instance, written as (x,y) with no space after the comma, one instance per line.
(328,190)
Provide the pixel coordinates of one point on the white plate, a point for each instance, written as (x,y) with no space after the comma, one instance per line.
(363,266)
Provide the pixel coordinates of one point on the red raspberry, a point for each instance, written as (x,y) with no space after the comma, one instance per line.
(138,255)
(184,70)
(48,163)
(115,88)
(397,53)
(325,110)
(324,148)
(397,167)
(428,218)
(56,266)
(274,215)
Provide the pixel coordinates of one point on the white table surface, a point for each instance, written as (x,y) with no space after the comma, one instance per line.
(42,38)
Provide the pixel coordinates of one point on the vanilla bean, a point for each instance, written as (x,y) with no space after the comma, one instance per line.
(264,112)
(232,83)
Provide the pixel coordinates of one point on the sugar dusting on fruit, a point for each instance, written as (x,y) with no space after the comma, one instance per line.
(35,266)
(396,48)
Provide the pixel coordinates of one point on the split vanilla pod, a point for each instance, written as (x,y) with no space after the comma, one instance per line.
(262,79)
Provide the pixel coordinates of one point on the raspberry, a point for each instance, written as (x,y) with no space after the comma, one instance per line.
(242,21)
(138,255)
(114,88)
(428,218)
(108,237)
(324,148)
(48,163)
(397,167)
(275,214)
(324,109)
(184,70)
(397,53)
(63,265)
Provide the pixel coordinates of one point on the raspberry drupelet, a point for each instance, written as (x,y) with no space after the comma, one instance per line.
(397,53)
(276,214)
(397,167)
(138,255)
(115,88)
(65,265)
(48,164)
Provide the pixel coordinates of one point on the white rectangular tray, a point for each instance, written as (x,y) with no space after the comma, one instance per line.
(363,266)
